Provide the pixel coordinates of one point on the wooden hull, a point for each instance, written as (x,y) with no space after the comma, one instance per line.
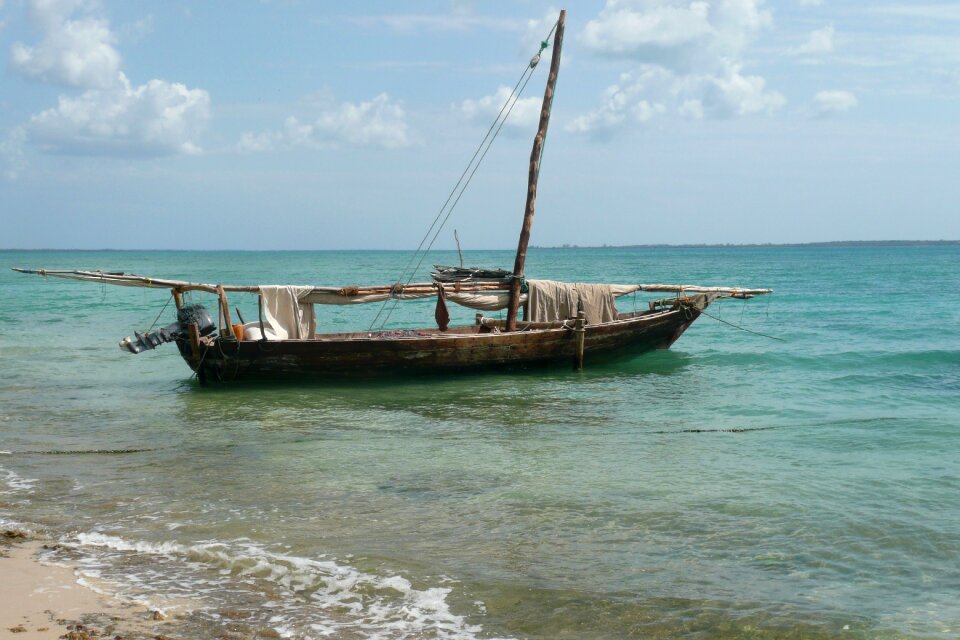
(461,349)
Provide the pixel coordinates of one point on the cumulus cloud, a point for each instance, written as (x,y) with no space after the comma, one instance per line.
(731,93)
(649,31)
(686,57)
(836,101)
(675,33)
(73,52)
(525,113)
(819,42)
(622,103)
(380,122)
(156,118)
(111,116)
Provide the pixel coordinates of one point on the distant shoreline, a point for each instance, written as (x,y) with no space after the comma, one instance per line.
(747,245)
(728,245)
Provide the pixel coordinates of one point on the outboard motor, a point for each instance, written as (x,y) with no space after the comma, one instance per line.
(191,314)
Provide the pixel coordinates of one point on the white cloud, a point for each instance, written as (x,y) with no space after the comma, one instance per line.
(73,52)
(112,116)
(734,94)
(622,104)
(621,29)
(525,113)
(686,57)
(156,118)
(380,122)
(674,33)
(819,42)
(836,101)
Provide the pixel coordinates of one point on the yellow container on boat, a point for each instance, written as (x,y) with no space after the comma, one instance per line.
(238,331)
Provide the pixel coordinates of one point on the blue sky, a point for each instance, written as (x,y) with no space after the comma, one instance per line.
(306,125)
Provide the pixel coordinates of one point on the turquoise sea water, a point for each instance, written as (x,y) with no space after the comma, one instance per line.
(732,487)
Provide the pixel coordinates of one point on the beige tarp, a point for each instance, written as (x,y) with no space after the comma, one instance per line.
(551,301)
(484,301)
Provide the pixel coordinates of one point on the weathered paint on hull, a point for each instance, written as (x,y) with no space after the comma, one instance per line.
(225,360)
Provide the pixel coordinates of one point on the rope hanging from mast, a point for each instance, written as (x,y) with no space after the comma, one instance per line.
(464,181)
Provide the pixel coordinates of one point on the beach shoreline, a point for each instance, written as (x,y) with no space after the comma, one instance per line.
(41,601)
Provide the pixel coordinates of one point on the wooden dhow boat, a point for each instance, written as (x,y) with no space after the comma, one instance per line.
(562,323)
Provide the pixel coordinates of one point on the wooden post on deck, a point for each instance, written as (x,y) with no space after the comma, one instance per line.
(579,333)
(177,298)
(194,332)
(535,154)
(227,330)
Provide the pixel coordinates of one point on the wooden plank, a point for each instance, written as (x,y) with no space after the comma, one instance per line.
(227,328)
(579,334)
(194,333)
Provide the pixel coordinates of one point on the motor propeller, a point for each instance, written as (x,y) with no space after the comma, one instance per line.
(191,314)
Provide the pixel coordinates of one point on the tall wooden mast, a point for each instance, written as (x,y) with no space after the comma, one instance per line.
(534,174)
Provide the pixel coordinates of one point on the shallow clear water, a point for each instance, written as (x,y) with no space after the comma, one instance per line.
(734,486)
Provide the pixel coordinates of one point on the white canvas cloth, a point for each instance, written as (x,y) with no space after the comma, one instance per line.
(286,313)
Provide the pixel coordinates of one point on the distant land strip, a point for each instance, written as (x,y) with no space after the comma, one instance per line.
(726,245)
(732,245)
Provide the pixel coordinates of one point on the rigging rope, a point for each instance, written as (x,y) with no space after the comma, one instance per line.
(462,185)
(426,251)
(155,320)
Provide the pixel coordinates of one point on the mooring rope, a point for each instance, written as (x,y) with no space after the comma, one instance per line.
(736,326)
(465,178)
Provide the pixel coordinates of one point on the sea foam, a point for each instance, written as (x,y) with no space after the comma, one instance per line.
(341,598)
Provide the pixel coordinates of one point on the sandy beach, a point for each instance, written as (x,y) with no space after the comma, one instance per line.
(40,601)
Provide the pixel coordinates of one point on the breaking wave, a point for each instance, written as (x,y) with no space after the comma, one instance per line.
(316,597)
(11,482)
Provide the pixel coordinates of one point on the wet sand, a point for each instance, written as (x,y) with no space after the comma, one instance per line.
(40,601)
